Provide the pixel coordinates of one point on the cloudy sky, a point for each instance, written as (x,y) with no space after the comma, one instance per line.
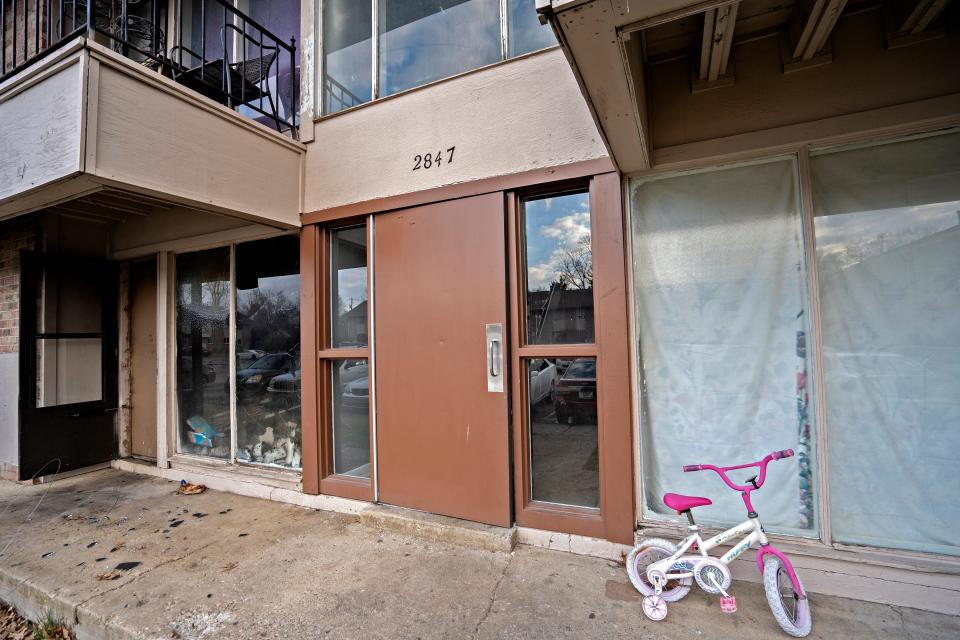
(553,226)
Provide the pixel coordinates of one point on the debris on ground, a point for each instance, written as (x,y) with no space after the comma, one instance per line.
(190,489)
(13,626)
(200,625)
(230,566)
(113,574)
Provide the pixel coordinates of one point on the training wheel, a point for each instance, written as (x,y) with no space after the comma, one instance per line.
(655,608)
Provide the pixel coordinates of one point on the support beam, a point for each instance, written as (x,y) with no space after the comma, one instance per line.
(818,27)
(923,14)
(718,26)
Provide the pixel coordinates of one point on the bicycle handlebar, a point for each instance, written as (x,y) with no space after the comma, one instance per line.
(722,471)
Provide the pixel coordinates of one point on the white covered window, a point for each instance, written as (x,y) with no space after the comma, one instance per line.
(887,221)
(722,323)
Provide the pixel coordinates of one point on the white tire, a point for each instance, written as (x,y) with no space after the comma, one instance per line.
(796,623)
(648,551)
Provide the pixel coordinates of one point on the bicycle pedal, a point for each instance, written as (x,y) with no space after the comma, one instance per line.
(728,604)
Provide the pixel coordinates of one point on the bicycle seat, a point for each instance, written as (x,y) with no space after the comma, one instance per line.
(681,503)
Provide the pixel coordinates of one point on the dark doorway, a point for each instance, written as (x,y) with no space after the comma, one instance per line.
(68,363)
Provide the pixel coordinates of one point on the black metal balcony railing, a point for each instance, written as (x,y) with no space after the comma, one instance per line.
(230,58)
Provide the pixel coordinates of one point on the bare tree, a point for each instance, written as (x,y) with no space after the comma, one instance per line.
(576,266)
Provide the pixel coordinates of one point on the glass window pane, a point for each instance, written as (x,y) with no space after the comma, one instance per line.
(888,251)
(427,40)
(348,289)
(526,34)
(348,54)
(564,458)
(69,371)
(72,300)
(721,317)
(559,269)
(350,387)
(203,335)
(268,352)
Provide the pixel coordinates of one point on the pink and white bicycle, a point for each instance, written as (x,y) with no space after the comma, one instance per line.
(664,572)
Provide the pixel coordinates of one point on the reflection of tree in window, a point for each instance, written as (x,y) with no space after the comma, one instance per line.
(559,269)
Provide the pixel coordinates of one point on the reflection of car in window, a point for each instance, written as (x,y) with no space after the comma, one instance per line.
(258,375)
(543,380)
(575,396)
(356,395)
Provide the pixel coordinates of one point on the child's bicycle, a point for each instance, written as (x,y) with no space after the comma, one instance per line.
(663,572)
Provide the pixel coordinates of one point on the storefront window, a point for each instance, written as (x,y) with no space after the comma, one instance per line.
(203,352)
(888,251)
(268,352)
(721,316)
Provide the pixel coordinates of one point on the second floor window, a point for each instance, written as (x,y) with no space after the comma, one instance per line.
(377,48)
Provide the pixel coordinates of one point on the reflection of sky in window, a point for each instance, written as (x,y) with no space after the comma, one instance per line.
(350,67)
(352,287)
(450,40)
(526,32)
(848,238)
(553,227)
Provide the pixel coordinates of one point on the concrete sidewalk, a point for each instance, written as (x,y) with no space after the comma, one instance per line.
(218,565)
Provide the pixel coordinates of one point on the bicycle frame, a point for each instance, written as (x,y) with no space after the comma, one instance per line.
(750,529)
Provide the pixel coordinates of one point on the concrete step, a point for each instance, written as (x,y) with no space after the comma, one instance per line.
(431,526)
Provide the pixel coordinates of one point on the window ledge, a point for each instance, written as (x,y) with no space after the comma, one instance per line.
(277,478)
(815,548)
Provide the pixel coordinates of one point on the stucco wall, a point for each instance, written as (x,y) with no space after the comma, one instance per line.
(516,116)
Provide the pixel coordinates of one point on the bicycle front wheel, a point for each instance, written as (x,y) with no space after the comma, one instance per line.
(791,611)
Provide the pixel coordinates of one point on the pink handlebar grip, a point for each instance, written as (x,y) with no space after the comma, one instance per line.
(691,467)
(786,453)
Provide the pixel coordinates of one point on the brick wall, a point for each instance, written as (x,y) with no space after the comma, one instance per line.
(19,233)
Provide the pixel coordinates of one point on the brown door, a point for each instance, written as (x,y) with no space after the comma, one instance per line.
(143,359)
(442,435)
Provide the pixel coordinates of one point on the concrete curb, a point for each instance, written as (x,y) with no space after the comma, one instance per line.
(439,528)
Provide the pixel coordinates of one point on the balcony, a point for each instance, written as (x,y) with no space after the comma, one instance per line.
(188,102)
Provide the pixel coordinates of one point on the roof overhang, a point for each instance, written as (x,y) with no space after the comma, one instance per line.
(596,36)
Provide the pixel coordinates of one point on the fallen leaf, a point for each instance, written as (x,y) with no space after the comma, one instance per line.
(109,575)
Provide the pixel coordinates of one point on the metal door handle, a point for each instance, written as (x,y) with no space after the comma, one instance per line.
(494,358)
(494,333)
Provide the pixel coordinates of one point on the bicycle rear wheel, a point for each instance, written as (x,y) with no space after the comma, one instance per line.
(642,556)
(791,611)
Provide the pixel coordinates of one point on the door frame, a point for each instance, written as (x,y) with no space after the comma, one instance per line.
(615,520)
(32,263)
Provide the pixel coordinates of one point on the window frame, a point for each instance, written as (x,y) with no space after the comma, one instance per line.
(613,519)
(316,373)
(320,95)
(173,439)
(822,543)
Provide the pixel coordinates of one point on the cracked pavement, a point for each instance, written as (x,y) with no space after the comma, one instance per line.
(218,565)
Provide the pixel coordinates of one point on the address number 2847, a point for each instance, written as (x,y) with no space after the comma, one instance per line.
(430,160)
